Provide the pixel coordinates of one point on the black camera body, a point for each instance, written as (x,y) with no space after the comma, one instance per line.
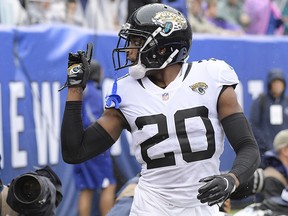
(35,193)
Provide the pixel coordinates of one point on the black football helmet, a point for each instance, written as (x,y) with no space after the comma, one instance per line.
(162,28)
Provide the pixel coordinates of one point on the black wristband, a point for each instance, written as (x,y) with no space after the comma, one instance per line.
(73,105)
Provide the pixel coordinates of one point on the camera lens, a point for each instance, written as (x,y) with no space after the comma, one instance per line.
(27,189)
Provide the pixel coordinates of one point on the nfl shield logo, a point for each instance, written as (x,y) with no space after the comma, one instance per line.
(165,96)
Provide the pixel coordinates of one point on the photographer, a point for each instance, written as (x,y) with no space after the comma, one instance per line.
(272,206)
(271,182)
(4,207)
(35,193)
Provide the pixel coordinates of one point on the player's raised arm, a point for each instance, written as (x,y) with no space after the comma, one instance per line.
(78,144)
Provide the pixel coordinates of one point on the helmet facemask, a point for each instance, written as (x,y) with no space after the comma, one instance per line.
(123,45)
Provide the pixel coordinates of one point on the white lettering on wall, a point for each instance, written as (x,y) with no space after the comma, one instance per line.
(19,158)
(239,92)
(255,88)
(46,113)
(47,121)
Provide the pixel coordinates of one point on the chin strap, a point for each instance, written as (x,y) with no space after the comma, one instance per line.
(138,71)
(169,59)
(113,97)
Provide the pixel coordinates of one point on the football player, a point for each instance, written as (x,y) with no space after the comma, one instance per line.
(177,112)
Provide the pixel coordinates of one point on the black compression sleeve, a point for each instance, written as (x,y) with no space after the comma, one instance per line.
(241,138)
(78,144)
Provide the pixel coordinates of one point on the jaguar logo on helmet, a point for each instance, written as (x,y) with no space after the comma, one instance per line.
(170,22)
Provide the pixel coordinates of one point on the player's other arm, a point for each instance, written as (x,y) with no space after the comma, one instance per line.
(240,136)
(237,129)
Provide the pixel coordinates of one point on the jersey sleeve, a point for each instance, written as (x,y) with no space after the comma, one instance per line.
(116,90)
(108,86)
(225,74)
(108,102)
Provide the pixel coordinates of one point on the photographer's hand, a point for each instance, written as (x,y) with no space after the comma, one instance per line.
(4,206)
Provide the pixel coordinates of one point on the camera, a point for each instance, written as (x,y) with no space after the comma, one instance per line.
(35,193)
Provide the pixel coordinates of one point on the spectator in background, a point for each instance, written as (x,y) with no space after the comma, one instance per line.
(269,112)
(71,8)
(201,24)
(97,173)
(135,4)
(211,13)
(75,13)
(106,15)
(124,198)
(274,206)
(83,4)
(45,11)
(233,12)
(285,17)
(12,12)
(270,181)
(49,11)
(180,5)
(265,17)
(276,165)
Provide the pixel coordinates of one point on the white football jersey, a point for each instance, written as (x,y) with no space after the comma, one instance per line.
(177,136)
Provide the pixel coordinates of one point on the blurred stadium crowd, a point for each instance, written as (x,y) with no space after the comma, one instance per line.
(221,17)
